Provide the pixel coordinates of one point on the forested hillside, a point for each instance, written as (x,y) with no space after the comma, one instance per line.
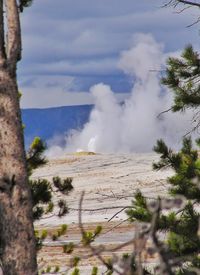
(47,123)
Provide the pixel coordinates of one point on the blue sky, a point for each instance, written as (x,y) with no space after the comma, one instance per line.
(71,45)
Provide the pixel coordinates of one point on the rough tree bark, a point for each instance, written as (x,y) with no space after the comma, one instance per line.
(17,242)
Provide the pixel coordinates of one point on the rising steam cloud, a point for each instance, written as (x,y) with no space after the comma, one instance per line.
(133,126)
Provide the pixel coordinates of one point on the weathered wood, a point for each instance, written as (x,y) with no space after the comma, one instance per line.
(14,32)
(2,40)
(17,242)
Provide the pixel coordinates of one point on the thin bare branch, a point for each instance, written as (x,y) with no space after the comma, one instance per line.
(154,226)
(94,251)
(121,210)
(195,22)
(191,3)
(175,3)
(101,208)
(114,227)
(182,10)
(166,111)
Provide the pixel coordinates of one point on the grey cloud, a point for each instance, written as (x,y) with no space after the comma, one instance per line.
(89,8)
(47,91)
(86,37)
(91,37)
(89,67)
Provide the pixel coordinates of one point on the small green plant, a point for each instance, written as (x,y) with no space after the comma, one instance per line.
(68,248)
(49,208)
(75,261)
(54,237)
(63,209)
(48,269)
(62,230)
(98,230)
(44,234)
(57,269)
(109,272)
(63,185)
(76,271)
(94,270)
(89,237)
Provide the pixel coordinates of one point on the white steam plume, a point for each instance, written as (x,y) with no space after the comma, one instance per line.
(133,126)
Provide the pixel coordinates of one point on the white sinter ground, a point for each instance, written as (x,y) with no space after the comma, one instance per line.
(106,179)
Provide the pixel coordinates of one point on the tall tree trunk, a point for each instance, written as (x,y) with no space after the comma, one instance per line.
(17,242)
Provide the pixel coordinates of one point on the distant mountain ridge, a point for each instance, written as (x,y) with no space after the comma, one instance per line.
(49,122)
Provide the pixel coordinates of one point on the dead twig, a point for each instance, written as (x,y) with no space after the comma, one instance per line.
(94,251)
(165,266)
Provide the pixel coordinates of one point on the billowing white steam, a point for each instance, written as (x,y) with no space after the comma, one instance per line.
(133,126)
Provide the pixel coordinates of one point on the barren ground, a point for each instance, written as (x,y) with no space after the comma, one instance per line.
(108,180)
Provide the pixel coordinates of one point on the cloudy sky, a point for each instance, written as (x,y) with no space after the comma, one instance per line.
(71,45)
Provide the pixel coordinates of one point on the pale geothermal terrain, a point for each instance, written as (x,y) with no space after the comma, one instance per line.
(109,181)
